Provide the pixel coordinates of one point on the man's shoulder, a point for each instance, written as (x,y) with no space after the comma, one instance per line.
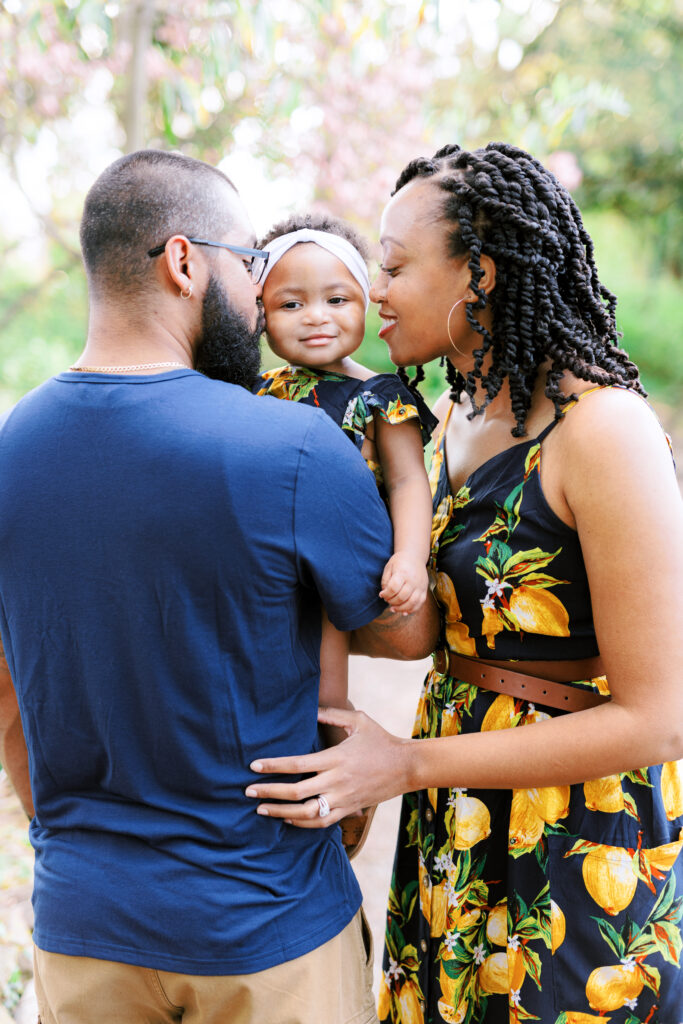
(32,399)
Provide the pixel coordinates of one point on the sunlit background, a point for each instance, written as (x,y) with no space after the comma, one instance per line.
(321,103)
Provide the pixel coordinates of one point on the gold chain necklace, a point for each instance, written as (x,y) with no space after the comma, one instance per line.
(125,369)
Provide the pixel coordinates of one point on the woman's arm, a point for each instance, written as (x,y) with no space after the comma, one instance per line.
(13,753)
(400,452)
(619,485)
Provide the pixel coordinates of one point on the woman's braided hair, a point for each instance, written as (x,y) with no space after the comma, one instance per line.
(547,302)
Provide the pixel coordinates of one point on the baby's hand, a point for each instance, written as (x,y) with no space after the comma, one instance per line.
(404,583)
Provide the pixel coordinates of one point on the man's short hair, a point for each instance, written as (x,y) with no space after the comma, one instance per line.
(140,201)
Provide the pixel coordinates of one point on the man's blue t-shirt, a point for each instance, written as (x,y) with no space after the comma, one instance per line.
(165,545)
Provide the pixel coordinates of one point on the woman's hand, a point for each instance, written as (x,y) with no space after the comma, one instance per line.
(370,765)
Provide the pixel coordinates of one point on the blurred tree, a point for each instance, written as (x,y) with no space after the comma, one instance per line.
(338,94)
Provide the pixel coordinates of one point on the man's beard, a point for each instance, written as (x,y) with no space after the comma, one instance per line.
(227,349)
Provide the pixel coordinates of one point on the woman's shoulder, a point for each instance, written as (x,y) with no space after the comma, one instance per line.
(611,450)
(610,418)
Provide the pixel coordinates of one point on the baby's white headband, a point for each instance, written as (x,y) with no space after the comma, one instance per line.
(338,246)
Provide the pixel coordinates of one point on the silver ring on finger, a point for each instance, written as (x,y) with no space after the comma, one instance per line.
(323,806)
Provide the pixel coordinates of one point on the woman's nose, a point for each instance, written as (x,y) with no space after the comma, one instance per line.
(378,288)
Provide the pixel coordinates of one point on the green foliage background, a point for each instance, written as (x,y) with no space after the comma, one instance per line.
(341,93)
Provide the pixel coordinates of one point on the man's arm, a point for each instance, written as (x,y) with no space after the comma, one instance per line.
(404,637)
(13,753)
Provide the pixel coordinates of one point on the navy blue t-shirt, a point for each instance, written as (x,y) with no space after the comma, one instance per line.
(165,544)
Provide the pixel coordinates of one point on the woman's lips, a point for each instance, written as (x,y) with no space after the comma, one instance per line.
(386,327)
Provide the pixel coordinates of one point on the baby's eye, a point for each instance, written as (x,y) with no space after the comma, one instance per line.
(338,300)
(292,304)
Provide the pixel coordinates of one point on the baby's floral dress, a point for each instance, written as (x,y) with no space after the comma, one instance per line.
(350,402)
(561,904)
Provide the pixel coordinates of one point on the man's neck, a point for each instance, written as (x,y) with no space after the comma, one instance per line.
(117,342)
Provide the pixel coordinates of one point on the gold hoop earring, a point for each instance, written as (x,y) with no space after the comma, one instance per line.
(448,327)
(187,292)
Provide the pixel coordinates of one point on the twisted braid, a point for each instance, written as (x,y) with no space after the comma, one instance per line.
(412,385)
(548,302)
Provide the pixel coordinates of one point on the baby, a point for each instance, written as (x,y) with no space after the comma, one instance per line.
(315,298)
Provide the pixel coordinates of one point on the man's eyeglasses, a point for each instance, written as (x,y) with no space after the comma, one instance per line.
(256,265)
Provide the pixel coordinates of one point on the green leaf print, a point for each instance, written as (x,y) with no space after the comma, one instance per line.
(408,897)
(500,553)
(611,937)
(522,1014)
(523,562)
(413,827)
(532,963)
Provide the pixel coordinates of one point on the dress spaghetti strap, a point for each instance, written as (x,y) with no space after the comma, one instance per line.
(570,405)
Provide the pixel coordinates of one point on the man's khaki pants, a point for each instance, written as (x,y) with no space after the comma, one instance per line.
(330,985)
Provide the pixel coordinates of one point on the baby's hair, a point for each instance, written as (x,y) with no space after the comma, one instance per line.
(318,222)
(548,302)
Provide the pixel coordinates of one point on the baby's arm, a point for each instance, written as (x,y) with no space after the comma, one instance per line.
(334,677)
(399,447)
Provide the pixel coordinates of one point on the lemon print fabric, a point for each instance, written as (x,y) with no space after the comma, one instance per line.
(561,904)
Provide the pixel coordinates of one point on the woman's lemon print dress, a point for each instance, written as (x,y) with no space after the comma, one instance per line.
(560,904)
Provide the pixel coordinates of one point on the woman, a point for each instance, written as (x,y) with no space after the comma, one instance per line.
(539,873)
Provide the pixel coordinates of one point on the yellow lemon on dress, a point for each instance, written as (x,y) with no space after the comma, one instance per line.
(472,822)
(411,1010)
(604,794)
(497,924)
(558,926)
(672,788)
(384,999)
(516,968)
(610,878)
(538,611)
(451,1015)
(526,825)
(457,633)
(609,988)
(550,802)
(585,1018)
(493,974)
(447,983)
(500,715)
(491,625)
(450,723)
(439,909)
(464,919)
(664,857)
(421,724)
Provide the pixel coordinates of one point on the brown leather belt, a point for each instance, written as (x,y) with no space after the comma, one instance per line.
(516,684)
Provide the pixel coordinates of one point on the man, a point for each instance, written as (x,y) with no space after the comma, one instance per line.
(166,541)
